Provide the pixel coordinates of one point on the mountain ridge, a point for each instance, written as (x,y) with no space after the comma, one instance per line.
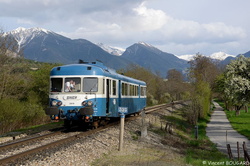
(47,46)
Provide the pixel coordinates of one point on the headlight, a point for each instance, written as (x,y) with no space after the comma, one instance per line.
(59,103)
(84,103)
(54,103)
(90,103)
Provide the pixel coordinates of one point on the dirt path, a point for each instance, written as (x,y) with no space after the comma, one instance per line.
(220,131)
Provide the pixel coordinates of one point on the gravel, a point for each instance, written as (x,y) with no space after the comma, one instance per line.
(102,147)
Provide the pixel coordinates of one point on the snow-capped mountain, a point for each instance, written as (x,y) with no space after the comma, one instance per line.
(112,50)
(24,36)
(46,46)
(221,56)
(217,56)
(187,57)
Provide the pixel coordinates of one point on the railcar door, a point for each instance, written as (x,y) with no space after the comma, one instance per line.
(107,95)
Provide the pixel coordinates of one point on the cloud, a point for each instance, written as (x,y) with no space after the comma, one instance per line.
(147,19)
(117,22)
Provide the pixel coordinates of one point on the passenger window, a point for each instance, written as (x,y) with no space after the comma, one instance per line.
(143,91)
(125,89)
(131,90)
(90,84)
(72,84)
(114,87)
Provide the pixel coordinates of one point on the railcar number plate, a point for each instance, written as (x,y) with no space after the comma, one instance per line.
(123,110)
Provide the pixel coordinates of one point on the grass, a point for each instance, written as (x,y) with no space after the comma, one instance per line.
(34,129)
(199,151)
(144,156)
(190,150)
(240,123)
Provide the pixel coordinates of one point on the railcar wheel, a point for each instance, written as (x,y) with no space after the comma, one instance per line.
(95,124)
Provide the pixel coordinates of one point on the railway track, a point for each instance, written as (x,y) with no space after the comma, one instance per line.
(15,156)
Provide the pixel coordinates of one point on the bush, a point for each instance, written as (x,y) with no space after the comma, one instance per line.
(15,114)
(10,114)
(192,111)
(151,100)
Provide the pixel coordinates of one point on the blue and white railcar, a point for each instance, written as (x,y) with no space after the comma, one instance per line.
(91,92)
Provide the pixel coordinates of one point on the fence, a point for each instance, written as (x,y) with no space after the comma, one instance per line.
(246,155)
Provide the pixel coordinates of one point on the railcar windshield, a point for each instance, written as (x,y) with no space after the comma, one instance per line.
(90,84)
(56,84)
(72,84)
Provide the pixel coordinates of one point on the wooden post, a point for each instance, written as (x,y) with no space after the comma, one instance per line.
(144,132)
(238,151)
(246,156)
(196,132)
(122,111)
(226,136)
(229,152)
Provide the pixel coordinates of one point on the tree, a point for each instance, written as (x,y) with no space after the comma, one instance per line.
(237,82)
(11,71)
(204,69)
(174,75)
(202,73)
(175,84)
(40,82)
(220,90)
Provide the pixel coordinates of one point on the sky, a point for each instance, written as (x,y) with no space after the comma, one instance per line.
(175,26)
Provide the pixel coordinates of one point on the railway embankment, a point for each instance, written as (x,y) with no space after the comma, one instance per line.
(170,141)
(90,150)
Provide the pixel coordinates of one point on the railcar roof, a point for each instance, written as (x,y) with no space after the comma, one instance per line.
(92,68)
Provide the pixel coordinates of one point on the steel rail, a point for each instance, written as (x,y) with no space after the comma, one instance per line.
(24,141)
(14,158)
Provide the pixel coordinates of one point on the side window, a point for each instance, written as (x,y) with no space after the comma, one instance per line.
(72,84)
(131,90)
(124,89)
(136,90)
(114,88)
(90,84)
(143,91)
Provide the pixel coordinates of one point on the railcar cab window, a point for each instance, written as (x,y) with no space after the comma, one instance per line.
(56,85)
(72,84)
(90,84)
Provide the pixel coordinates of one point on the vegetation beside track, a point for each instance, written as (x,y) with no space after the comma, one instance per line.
(179,148)
(33,129)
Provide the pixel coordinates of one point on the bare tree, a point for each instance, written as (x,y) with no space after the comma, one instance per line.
(204,69)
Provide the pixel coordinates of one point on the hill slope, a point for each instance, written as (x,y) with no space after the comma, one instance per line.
(152,58)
